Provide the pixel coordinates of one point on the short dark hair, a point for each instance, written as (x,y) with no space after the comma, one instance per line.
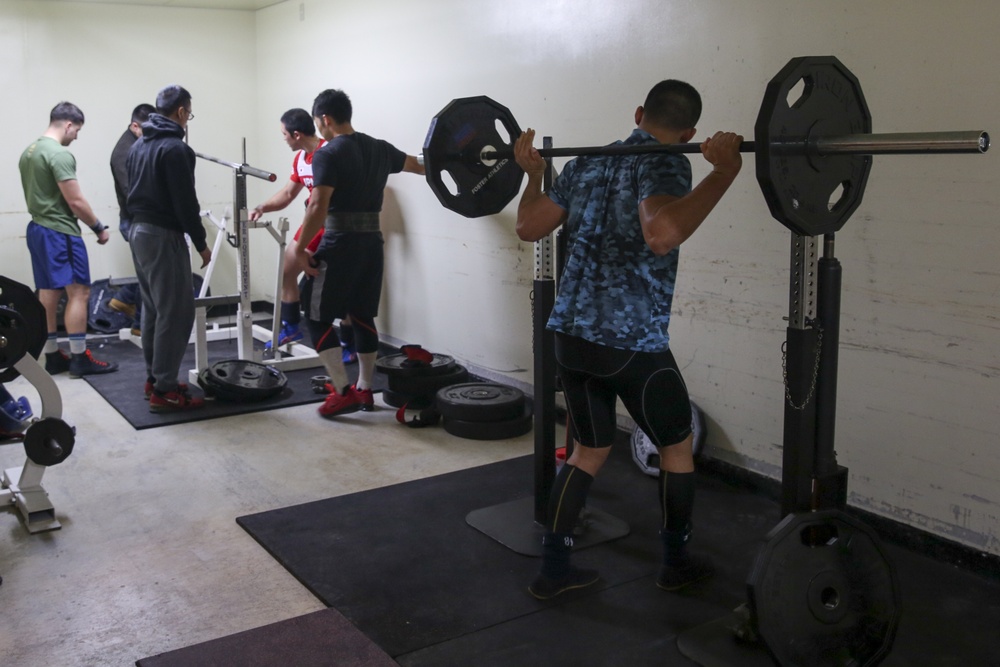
(674,104)
(140,114)
(333,103)
(172,98)
(66,111)
(298,120)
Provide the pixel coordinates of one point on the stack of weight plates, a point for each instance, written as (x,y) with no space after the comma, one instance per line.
(414,384)
(484,411)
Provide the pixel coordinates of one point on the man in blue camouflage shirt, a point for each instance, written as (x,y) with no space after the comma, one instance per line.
(625,217)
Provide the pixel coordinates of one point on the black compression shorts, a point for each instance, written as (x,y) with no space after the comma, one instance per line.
(649,384)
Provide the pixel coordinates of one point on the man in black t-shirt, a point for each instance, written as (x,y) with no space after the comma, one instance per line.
(344,276)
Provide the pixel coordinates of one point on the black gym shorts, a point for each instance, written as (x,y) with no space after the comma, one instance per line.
(350,277)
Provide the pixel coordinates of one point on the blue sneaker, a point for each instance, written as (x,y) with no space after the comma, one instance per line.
(349,355)
(289,333)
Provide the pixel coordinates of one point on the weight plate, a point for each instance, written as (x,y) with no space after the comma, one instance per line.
(810,98)
(418,384)
(822,592)
(22,324)
(400,364)
(480,402)
(412,402)
(455,140)
(647,457)
(493,430)
(49,441)
(240,380)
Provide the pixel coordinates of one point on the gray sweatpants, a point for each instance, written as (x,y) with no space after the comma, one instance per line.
(163,267)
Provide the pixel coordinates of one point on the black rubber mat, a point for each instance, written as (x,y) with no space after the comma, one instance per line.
(402,564)
(123,389)
(321,639)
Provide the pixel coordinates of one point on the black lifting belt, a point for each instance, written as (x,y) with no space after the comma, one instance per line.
(352,222)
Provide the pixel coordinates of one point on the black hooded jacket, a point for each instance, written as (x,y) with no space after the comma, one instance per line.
(161,180)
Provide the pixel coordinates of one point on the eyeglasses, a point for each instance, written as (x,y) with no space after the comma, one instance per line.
(190,115)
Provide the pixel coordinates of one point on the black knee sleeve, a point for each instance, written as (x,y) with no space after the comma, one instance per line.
(323,336)
(365,334)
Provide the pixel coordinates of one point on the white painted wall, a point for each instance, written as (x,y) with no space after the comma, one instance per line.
(917,422)
(919,398)
(106,59)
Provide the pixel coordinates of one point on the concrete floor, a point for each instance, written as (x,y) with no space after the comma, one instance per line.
(150,558)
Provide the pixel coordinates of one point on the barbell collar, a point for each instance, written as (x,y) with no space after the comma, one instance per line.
(900,143)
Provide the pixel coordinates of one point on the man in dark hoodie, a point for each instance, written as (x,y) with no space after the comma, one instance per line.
(127,299)
(163,206)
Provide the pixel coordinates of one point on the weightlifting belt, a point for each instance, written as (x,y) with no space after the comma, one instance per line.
(352,222)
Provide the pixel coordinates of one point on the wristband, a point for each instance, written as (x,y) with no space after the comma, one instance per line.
(98,228)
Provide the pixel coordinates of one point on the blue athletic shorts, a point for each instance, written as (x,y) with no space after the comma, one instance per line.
(57,259)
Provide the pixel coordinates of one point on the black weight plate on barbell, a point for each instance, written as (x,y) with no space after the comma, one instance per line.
(412,402)
(798,184)
(455,139)
(823,593)
(491,430)
(480,402)
(25,326)
(401,365)
(427,384)
(241,380)
(49,441)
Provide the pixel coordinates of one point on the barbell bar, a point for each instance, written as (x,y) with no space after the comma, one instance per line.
(898,143)
(241,168)
(812,140)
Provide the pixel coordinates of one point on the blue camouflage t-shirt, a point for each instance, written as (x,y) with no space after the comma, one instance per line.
(614,290)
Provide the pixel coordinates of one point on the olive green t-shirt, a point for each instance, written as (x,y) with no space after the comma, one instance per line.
(44,164)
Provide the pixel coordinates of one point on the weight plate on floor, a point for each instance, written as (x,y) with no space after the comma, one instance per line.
(494,430)
(49,441)
(480,402)
(412,402)
(22,326)
(239,380)
(420,384)
(647,457)
(822,592)
(401,365)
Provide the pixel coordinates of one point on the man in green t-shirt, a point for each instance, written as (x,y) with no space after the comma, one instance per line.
(58,255)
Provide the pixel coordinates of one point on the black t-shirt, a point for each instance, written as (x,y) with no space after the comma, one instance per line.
(356,166)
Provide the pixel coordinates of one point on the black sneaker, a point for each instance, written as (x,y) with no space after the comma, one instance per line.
(86,364)
(693,569)
(56,362)
(544,588)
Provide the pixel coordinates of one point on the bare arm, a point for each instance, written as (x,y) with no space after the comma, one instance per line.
(537,215)
(413,166)
(669,221)
(278,200)
(73,195)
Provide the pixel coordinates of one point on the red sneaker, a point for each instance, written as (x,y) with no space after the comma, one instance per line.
(351,400)
(148,389)
(174,401)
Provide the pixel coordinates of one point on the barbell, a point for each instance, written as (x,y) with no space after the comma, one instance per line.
(812,141)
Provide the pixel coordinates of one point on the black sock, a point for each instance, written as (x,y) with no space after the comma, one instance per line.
(290,312)
(677,502)
(567,498)
(556,550)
